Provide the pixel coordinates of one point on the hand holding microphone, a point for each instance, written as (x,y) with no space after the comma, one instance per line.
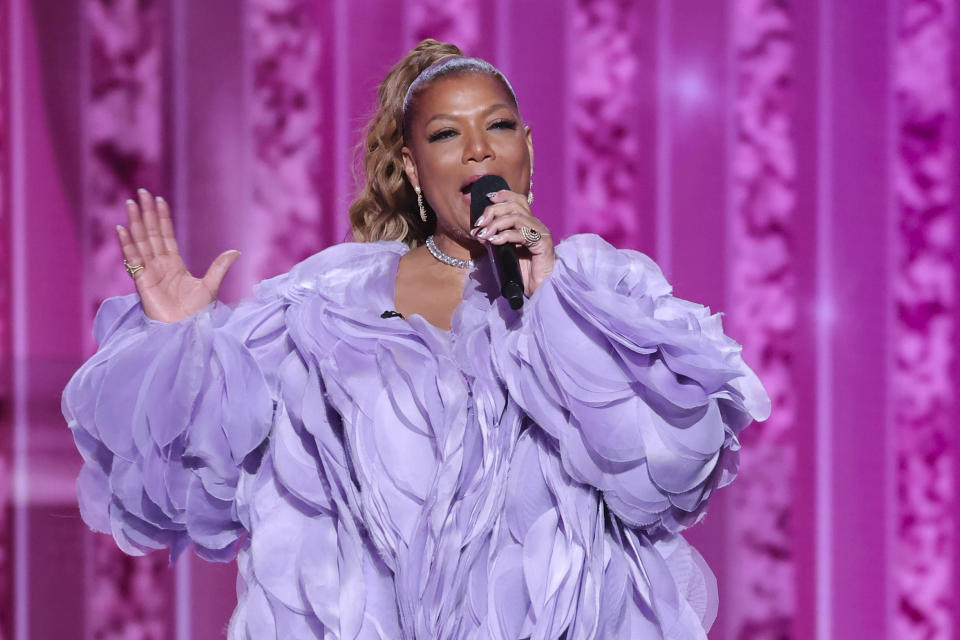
(504,221)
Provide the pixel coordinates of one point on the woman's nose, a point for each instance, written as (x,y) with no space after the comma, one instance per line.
(477,148)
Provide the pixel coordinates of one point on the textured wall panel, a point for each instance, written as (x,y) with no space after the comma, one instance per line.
(128,597)
(763,316)
(456,21)
(291,67)
(610,71)
(924,289)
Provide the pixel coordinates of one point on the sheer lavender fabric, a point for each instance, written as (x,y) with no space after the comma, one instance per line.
(525,474)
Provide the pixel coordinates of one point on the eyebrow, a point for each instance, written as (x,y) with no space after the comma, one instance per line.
(492,108)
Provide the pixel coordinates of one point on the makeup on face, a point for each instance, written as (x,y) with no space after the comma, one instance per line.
(469,129)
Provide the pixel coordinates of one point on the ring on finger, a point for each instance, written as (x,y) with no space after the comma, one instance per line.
(132,268)
(530,236)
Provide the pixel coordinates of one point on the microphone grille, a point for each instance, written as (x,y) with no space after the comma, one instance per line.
(478,193)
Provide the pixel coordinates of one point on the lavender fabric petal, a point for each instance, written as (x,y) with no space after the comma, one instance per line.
(642,391)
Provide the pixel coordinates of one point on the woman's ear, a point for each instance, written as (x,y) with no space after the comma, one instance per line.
(409,166)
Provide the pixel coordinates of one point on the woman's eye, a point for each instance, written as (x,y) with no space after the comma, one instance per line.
(446,133)
(439,135)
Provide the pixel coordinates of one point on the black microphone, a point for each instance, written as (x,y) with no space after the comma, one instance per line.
(504,255)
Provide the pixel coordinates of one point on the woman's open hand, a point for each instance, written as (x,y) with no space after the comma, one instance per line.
(167,290)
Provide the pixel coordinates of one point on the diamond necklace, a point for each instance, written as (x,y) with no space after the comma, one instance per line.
(444,258)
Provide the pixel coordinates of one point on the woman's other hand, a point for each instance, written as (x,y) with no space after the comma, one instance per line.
(168,292)
(501,222)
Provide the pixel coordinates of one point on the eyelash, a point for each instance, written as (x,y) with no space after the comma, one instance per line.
(441,135)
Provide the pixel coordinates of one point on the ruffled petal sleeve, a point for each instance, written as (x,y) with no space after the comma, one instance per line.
(643,391)
(168,416)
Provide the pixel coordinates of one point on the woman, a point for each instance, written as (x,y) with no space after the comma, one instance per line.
(387,447)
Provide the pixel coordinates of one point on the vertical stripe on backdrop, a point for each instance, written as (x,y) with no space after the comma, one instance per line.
(694,153)
(12,514)
(19,298)
(924,333)
(343,138)
(533,60)
(6,443)
(663,124)
(177,105)
(855,297)
(824,317)
(359,69)
(212,126)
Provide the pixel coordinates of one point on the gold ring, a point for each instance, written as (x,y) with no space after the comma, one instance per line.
(530,236)
(132,268)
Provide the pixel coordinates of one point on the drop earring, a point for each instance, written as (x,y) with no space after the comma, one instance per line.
(530,190)
(423,212)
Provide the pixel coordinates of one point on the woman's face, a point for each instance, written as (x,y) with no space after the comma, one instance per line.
(464,127)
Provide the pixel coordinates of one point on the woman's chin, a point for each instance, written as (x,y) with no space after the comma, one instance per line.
(457,226)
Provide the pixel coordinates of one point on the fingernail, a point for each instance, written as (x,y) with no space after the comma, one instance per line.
(481,233)
(141,191)
(119,228)
(130,201)
(160,199)
(478,222)
(492,194)
(473,231)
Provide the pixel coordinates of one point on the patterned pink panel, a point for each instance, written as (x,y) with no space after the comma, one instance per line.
(605,89)
(291,67)
(128,597)
(924,287)
(456,21)
(763,316)
(124,122)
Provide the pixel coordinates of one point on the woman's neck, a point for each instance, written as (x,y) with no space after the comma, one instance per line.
(428,287)
(460,248)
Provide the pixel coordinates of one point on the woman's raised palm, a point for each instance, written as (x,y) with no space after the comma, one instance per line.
(167,290)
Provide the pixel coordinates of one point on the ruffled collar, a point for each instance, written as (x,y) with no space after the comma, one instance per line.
(378,284)
(356,281)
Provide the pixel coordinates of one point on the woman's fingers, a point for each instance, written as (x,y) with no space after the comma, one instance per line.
(218,269)
(151,222)
(506,221)
(166,226)
(516,237)
(503,203)
(137,232)
(129,249)
(508,235)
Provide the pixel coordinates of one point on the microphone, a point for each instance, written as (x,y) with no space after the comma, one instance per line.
(504,255)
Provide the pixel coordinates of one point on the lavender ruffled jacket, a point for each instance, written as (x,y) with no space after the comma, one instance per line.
(525,474)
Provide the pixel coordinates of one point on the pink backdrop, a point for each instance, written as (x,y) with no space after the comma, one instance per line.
(790,163)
